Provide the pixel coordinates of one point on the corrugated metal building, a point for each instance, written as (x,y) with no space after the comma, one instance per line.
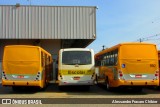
(51,27)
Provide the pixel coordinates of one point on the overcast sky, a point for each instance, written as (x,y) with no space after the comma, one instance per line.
(117,20)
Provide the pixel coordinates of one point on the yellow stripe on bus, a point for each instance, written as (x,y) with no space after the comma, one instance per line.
(76,72)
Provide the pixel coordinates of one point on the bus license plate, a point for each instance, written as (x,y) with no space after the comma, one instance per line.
(138,76)
(76,78)
(20,76)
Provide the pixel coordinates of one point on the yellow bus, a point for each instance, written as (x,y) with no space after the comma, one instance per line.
(159,66)
(25,65)
(76,67)
(133,65)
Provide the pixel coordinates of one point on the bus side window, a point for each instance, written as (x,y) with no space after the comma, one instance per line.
(43,59)
(109,58)
(116,56)
(112,59)
(115,59)
(102,63)
(42,62)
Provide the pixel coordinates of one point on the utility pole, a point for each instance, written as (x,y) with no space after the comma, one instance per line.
(103,47)
(140,40)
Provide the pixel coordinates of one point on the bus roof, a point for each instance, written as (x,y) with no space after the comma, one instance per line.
(158,54)
(21,46)
(118,45)
(28,46)
(75,49)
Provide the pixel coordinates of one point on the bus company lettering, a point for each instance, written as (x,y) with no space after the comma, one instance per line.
(76,72)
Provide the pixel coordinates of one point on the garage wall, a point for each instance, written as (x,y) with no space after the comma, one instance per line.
(47,22)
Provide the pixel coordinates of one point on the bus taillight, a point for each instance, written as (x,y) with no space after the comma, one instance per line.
(156,74)
(38,77)
(93,75)
(4,75)
(60,75)
(120,73)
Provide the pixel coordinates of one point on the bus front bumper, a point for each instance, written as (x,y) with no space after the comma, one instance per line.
(65,83)
(20,83)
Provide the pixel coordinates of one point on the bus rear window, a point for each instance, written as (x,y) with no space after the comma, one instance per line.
(138,51)
(76,57)
(21,54)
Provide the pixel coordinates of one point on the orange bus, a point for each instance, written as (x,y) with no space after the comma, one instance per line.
(132,65)
(25,65)
(159,65)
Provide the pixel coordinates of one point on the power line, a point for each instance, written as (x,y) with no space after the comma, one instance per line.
(155,20)
(148,38)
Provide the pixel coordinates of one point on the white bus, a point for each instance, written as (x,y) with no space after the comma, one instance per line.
(76,67)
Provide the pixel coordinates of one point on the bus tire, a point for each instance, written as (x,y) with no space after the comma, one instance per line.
(97,80)
(60,88)
(44,86)
(107,85)
(14,88)
(87,88)
(137,89)
(158,87)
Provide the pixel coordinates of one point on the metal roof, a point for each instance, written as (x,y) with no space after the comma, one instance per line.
(47,22)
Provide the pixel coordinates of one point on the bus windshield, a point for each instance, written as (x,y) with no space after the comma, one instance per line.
(76,57)
(138,52)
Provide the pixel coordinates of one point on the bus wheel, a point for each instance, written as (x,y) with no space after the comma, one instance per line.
(157,87)
(14,88)
(137,89)
(87,88)
(60,88)
(96,82)
(108,85)
(44,86)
